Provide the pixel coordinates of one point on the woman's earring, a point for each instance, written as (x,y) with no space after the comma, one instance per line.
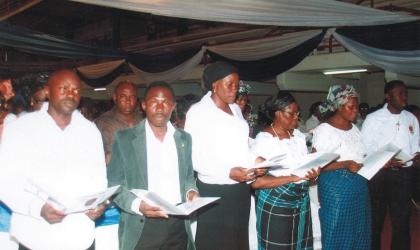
(215,90)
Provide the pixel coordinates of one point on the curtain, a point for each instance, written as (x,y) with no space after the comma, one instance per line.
(99,70)
(173,74)
(400,36)
(163,62)
(42,44)
(270,67)
(310,13)
(101,80)
(401,61)
(263,48)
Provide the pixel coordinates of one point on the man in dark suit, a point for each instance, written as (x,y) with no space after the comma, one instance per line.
(157,157)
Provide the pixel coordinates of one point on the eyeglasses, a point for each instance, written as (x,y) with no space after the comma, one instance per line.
(291,113)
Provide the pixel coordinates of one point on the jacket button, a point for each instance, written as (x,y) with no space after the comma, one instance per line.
(141,220)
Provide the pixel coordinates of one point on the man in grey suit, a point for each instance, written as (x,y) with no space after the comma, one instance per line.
(157,157)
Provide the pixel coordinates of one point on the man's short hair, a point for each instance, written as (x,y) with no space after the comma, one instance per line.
(123,83)
(159,84)
(391,85)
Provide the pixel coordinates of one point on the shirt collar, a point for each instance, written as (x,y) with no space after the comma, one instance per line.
(76,116)
(388,113)
(170,131)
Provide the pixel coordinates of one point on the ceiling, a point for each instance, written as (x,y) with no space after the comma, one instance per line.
(138,32)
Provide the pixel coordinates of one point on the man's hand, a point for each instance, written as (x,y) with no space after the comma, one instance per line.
(94,214)
(192,194)
(151,211)
(416,160)
(352,166)
(397,163)
(51,214)
(242,175)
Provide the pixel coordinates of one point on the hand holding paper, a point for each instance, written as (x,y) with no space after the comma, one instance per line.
(51,214)
(155,206)
(151,211)
(312,161)
(95,213)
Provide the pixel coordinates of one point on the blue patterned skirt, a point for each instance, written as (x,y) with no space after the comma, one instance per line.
(345,212)
(284,217)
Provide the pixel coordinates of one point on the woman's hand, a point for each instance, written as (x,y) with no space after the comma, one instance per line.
(313,174)
(352,166)
(260,171)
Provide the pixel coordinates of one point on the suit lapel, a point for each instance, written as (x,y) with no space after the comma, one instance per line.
(140,150)
(180,148)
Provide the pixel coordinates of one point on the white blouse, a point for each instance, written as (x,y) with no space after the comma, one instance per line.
(268,146)
(219,141)
(348,144)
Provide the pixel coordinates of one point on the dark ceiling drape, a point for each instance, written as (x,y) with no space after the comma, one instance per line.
(271,67)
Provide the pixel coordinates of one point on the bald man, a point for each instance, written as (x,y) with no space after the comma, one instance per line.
(64,157)
(123,115)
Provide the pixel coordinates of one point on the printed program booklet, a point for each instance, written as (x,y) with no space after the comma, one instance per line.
(274,162)
(186,208)
(391,147)
(313,161)
(71,206)
(376,160)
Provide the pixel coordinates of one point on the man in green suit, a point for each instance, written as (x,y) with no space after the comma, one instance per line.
(157,157)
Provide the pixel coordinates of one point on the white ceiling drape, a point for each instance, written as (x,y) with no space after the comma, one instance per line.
(310,13)
(263,48)
(173,74)
(99,70)
(401,62)
(242,51)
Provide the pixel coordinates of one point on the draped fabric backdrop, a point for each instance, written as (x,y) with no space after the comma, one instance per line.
(393,47)
(309,13)
(262,69)
(173,74)
(100,75)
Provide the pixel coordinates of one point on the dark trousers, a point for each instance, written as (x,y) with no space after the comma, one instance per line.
(163,234)
(224,223)
(392,188)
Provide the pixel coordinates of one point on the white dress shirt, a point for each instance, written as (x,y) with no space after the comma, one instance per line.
(380,128)
(219,141)
(311,123)
(67,163)
(162,167)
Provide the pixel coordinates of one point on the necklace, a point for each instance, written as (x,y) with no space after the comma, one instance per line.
(398,122)
(290,136)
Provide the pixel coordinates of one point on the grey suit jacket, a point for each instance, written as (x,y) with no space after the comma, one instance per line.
(128,168)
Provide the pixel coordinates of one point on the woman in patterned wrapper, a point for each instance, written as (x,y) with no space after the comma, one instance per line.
(345,212)
(283,210)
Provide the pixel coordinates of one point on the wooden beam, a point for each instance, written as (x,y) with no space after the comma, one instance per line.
(15,7)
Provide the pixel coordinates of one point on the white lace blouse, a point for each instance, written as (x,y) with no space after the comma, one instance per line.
(348,144)
(269,146)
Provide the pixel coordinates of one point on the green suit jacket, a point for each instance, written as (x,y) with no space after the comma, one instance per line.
(128,168)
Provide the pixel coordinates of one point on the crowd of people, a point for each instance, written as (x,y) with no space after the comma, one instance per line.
(63,145)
